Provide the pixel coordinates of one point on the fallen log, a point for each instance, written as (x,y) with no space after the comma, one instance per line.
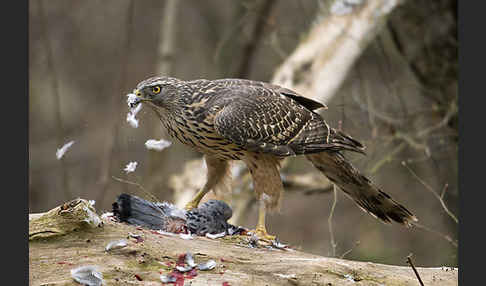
(150,254)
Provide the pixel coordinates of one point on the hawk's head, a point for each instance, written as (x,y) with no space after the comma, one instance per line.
(158,91)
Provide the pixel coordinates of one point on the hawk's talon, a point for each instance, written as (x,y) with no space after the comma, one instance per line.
(191,205)
(194,203)
(262,234)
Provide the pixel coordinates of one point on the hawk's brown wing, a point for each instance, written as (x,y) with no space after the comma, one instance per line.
(265,120)
(306,102)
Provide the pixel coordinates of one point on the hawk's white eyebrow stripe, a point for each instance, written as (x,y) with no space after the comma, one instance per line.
(144,84)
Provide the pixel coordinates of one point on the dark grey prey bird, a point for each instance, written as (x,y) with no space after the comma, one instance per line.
(210,217)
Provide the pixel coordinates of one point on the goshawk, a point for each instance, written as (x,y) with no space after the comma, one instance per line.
(260,123)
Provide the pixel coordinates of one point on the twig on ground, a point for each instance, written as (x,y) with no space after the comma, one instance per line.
(409,260)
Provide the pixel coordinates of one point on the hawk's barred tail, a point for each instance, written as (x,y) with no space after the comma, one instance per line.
(369,197)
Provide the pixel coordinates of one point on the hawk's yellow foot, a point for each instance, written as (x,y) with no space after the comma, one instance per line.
(195,201)
(191,205)
(260,230)
(261,233)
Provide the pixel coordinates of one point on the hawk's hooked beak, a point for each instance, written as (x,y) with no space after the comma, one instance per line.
(138,99)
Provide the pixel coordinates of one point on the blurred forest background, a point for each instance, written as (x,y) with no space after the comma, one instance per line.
(399,97)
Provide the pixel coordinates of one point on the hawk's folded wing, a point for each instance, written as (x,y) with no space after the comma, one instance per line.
(265,120)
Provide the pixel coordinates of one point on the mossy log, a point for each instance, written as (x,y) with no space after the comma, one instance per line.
(61,248)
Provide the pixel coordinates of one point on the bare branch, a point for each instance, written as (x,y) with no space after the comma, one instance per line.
(377,114)
(329,221)
(450,113)
(412,142)
(387,158)
(444,236)
(430,189)
(444,190)
(349,250)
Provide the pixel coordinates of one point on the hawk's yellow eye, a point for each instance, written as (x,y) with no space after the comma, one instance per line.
(156,89)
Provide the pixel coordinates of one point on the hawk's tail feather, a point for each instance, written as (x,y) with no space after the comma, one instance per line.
(322,138)
(363,192)
(347,142)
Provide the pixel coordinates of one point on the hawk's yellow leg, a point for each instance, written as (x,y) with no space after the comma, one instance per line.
(218,172)
(261,230)
(197,198)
